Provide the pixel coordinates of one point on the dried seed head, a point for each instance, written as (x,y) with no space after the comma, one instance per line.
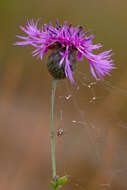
(60,132)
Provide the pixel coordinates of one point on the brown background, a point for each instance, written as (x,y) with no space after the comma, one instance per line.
(93,149)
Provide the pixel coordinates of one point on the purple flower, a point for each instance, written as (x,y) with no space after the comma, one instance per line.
(67,44)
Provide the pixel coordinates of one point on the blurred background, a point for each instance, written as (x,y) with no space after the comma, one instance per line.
(92,151)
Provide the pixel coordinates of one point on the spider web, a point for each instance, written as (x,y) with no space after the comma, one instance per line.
(82,140)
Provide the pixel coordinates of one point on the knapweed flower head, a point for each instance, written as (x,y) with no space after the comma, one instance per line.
(67,44)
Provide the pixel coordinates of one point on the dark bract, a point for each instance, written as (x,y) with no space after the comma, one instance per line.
(55,69)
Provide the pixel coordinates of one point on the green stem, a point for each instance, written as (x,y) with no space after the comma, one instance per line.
(54,84)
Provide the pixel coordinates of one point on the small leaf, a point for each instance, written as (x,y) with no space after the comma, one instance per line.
(53,183)
(62,180)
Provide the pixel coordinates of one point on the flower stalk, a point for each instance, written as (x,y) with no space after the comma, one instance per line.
(57,181)
(54,84)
